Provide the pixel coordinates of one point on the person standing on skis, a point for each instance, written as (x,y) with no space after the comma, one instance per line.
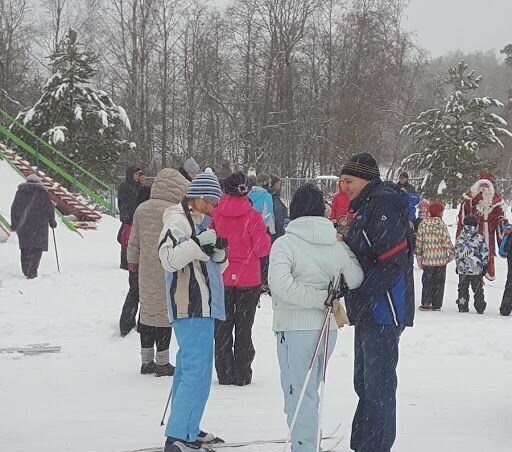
(381,238)
(302,265)
(195,298)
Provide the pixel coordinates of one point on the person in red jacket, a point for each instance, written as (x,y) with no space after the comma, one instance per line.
(236,220)
(340,212)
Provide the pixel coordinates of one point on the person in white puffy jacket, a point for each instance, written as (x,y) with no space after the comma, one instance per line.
(302,264)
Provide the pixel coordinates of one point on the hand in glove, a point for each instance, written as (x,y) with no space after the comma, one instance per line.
(206,238)
(451,257)
(219,256)
(53,224)
(419,259)
(133,267)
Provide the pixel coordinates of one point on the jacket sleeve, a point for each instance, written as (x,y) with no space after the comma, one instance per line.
(15,213)
(352,270)
(484,252)
(123,201)
(177,249)
(459,250)
(419,239)
(133,255)
(51,212)
(284,286)
(385,230)
(260,240)
(334,208)
(450,250)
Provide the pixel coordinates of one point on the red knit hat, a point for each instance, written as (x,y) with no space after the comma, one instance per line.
(436,209)
(487,176)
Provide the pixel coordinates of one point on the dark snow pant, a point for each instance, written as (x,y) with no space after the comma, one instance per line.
(264,263)
(375,382)
(506,302)
(30,260)
(433,281)
(124,258)
(151,336)
(131,305)
(477,284)
(233,360)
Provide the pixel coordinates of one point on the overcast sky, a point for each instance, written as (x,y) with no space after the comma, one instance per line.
(468,25)
(446,25)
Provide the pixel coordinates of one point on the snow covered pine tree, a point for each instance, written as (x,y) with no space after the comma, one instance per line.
(451,139)
(82,121)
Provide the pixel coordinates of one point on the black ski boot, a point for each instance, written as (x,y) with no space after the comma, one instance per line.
(164,370)
(463,305)
(179,445)
(480,307)
(147,369)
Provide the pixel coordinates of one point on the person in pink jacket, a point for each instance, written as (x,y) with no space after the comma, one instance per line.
(237,221)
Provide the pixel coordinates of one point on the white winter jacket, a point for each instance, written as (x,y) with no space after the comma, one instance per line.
(193,282)
(302,264)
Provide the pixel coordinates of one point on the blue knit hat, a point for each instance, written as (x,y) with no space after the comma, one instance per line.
(204,186)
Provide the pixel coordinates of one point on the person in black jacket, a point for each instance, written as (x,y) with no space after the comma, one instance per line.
(127,195)
(381,239)
(127,201)
(403,182)
(31,213)
(280,209)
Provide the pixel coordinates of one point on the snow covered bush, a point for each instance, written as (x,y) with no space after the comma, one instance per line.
(76,117)
(451,140)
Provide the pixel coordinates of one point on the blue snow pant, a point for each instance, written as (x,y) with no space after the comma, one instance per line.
(193,376)
(375,382)
(294,352)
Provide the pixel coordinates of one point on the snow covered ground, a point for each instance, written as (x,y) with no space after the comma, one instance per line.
(455,374)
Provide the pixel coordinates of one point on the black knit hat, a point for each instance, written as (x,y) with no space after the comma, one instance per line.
(404,174)
(308,201)
(236,185)
(361,165)
(471,220)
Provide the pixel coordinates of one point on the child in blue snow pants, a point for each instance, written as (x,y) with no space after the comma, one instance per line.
(193,377)
(294,352)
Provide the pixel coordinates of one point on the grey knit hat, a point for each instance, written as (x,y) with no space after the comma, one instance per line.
(204,186)
(191,166)
(34,178)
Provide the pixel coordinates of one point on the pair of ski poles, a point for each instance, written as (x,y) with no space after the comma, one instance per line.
(337,290)
(323,337)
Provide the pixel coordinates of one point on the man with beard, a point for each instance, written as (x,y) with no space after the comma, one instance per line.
(487,205)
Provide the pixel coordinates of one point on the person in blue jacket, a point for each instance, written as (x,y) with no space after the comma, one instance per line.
(381,238)
(261,199)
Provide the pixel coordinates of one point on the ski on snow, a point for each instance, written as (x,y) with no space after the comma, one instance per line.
(233,445)
(33,349)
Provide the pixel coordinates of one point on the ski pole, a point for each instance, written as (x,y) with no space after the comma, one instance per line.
(308,376)
(322,386)
(56,253)
(162,422)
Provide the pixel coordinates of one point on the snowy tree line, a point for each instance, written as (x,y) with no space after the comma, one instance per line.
(291,86)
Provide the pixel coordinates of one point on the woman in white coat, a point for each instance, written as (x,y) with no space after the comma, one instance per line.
(302,264)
